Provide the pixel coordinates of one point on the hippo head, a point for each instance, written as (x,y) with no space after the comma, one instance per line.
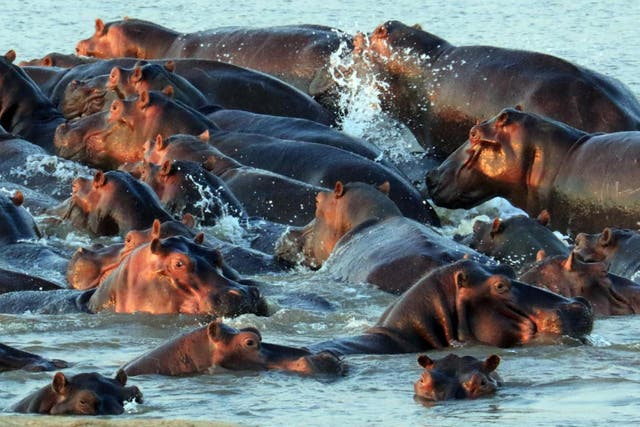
(176,275)
(243,349)
(117,39)
(454,377)
(88,266)
(607,293)
(85,97)
(88,394)
(337,212)
(601,246)
(497,310)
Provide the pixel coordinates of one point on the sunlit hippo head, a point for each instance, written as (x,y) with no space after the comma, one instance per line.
(85,97)
(337,212)
(175,275)
(220,345)
(602,246)
(454,377)
(82,394)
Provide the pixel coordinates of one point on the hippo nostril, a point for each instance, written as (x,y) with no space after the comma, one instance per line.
(255,292)
(474,134)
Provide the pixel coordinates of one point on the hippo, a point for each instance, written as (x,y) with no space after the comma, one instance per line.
(515,240)
(466,301)
(264,194)
(109,139)
(11,358)
(609,294)
(440,90)
(89,266)
(113,203)
(220,345)
(298,54)
(187,187)
(175,275)
(81,394)
(617,247)
(60,60)
(83,98)
(15,222)
(24,110)
(360,235)
(585,181)
(454,377)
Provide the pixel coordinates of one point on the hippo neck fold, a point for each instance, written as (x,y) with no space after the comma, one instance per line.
(547,153)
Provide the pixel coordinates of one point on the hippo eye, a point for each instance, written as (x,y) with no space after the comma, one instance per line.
(501,287)
(179,264)
(250,342)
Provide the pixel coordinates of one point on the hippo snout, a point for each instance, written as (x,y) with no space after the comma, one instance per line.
(577,317)
(238,300)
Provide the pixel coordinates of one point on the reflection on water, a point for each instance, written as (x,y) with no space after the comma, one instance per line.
(561,384)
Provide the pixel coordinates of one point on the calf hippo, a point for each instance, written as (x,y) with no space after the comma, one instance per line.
(298,54)
(114,203)
(24,109)
(12,358)
(585,181)
(219,345)
(515,240)
(618,248)
(440,90)
(81,394)
(454,377)
(175,275)
(15,222)
(363,237)
(609,294)
(468,302)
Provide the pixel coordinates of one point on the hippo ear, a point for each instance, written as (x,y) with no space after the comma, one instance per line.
(114,77)
(491,363)
(544,217)
(188,220)
(568,264)
(425,361)
(385,187)
(461,279)
(136,76)
(161,144)
(204,136)
(99,26)
(417,27)
(155,246)
(170,66)
(155,229)
(199,238)
(166,168)
(143,99)
(605,237)
(10,55)
(214,330)
(338,190)
(47,61)
(381,31)
(518,107)
(17,198)
(99,179)
(540,255)
(168,91)
(59,383)
(495,227)
(121,377)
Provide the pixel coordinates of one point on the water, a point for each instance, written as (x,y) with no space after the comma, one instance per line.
(594,384)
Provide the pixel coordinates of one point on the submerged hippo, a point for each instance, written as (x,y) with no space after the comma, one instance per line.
(217,344)
(12,358)
(363,237)
(609,294)
(468,302)
(298,54)
(24,109)
(15,222)
(618,248)
(585,181)
(113,203)
(81,394)
(454,377)
(440,90)
(515,240)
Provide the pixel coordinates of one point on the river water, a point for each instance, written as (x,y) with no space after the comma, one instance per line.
(569,384)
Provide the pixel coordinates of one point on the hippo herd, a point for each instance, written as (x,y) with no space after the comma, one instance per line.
(178,131)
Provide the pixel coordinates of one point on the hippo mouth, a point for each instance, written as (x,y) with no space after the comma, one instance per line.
(528,325)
